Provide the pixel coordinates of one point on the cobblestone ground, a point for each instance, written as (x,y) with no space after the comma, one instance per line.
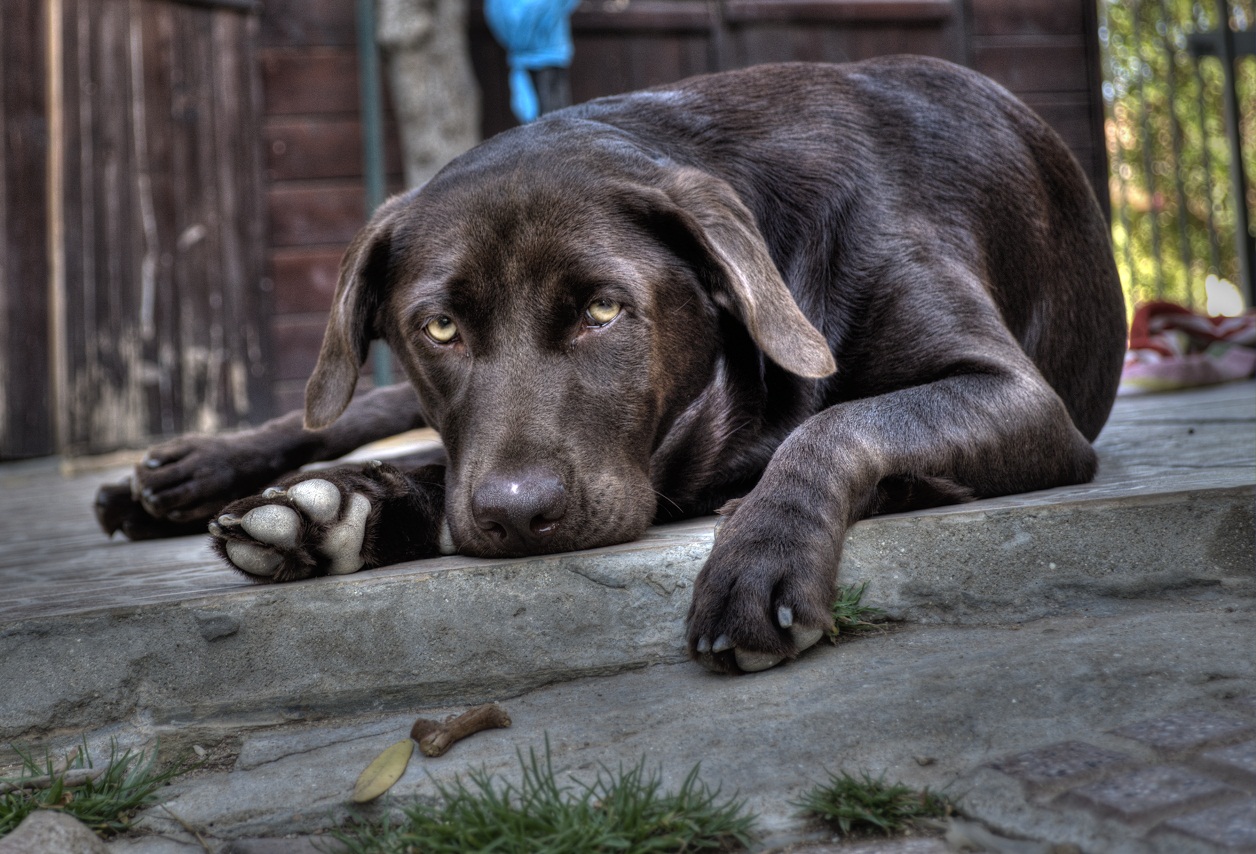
(1186,779)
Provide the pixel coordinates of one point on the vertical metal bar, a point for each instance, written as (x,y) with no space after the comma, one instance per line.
(1214,244)
(1171,52)
(1244,245)
(1153,215)
(1122,208)
(372,149)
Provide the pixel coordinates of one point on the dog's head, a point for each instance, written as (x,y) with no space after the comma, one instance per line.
(557,297)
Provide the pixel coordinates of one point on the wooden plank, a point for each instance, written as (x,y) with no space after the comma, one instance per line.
(163,300)
(1034,64)
(308,23)
(297,340)
(640,15)
(304,280)
(1028,17)
(312,147)
(846,11)
(315,81)
(25,367)
(329,212)
(1068,113)
(488,62)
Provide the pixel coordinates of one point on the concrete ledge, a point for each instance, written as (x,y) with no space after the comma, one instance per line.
(458,630)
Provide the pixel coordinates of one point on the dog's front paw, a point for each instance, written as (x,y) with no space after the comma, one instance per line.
(307,528)
(757,602)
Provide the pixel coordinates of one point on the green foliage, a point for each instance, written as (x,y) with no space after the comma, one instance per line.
(864,805)
(105,803)
(850,615)
(621,811)
(1172,198)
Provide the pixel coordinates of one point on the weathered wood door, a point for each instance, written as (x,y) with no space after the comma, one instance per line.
(155,318)
(161,317)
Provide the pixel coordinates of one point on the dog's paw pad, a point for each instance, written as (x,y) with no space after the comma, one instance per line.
(252,559)
(343,542)
(272,524)
(318,499)
(287,533)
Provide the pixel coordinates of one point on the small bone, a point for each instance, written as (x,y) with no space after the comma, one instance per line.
(435,738)
(272,524)
(343,543)
(254,560)
(318,499)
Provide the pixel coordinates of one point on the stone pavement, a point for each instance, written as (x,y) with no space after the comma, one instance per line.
(1076,666)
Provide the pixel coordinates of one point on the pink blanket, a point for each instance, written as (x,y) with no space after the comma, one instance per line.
(1172,347)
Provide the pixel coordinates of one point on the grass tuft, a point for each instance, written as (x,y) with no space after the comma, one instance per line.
(620,811)
(105,801)
(867,805)
(850,615)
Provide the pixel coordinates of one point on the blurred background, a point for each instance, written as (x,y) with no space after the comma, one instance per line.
(180,177)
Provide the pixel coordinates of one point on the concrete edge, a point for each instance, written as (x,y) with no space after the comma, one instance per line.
(461,631)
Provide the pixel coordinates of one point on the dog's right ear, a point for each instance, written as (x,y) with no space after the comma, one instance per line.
(351,323)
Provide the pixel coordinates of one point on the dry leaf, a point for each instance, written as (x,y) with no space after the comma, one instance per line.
(380,775)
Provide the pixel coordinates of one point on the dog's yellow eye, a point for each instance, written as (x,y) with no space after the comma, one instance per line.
(441,329)
(602,311)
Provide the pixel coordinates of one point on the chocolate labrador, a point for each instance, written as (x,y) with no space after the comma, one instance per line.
(795,294)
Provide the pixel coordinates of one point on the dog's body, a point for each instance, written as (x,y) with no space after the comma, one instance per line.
(824,291)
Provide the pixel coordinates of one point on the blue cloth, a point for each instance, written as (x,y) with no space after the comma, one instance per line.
(535,34)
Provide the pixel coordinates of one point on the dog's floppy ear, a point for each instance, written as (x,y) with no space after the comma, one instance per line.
(351,325)
(747,283)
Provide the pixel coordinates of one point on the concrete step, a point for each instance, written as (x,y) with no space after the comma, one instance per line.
(1128,727)
(1076,666)
(96,632)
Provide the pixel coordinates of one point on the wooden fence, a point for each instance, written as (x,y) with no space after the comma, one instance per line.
(180,176)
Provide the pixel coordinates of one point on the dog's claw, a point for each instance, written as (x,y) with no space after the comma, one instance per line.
(785,616)
(273,492)
(228,520)
(722,644)
(704,645)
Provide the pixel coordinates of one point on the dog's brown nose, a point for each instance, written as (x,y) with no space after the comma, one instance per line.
(520,510)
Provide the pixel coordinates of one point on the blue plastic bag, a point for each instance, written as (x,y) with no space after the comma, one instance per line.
(535,34)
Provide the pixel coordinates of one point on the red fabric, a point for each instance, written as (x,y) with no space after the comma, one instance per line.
(1172,347)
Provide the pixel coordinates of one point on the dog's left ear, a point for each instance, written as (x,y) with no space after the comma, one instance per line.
(747,283)
(351,323)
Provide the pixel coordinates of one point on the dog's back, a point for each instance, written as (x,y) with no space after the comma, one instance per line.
(826,156)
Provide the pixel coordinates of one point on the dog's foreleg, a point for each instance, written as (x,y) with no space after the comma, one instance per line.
(772,569)
(181,483)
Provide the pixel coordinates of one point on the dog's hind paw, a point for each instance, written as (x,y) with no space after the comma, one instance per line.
(306,529)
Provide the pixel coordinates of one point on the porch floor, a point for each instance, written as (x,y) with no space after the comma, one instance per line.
(1061,626)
